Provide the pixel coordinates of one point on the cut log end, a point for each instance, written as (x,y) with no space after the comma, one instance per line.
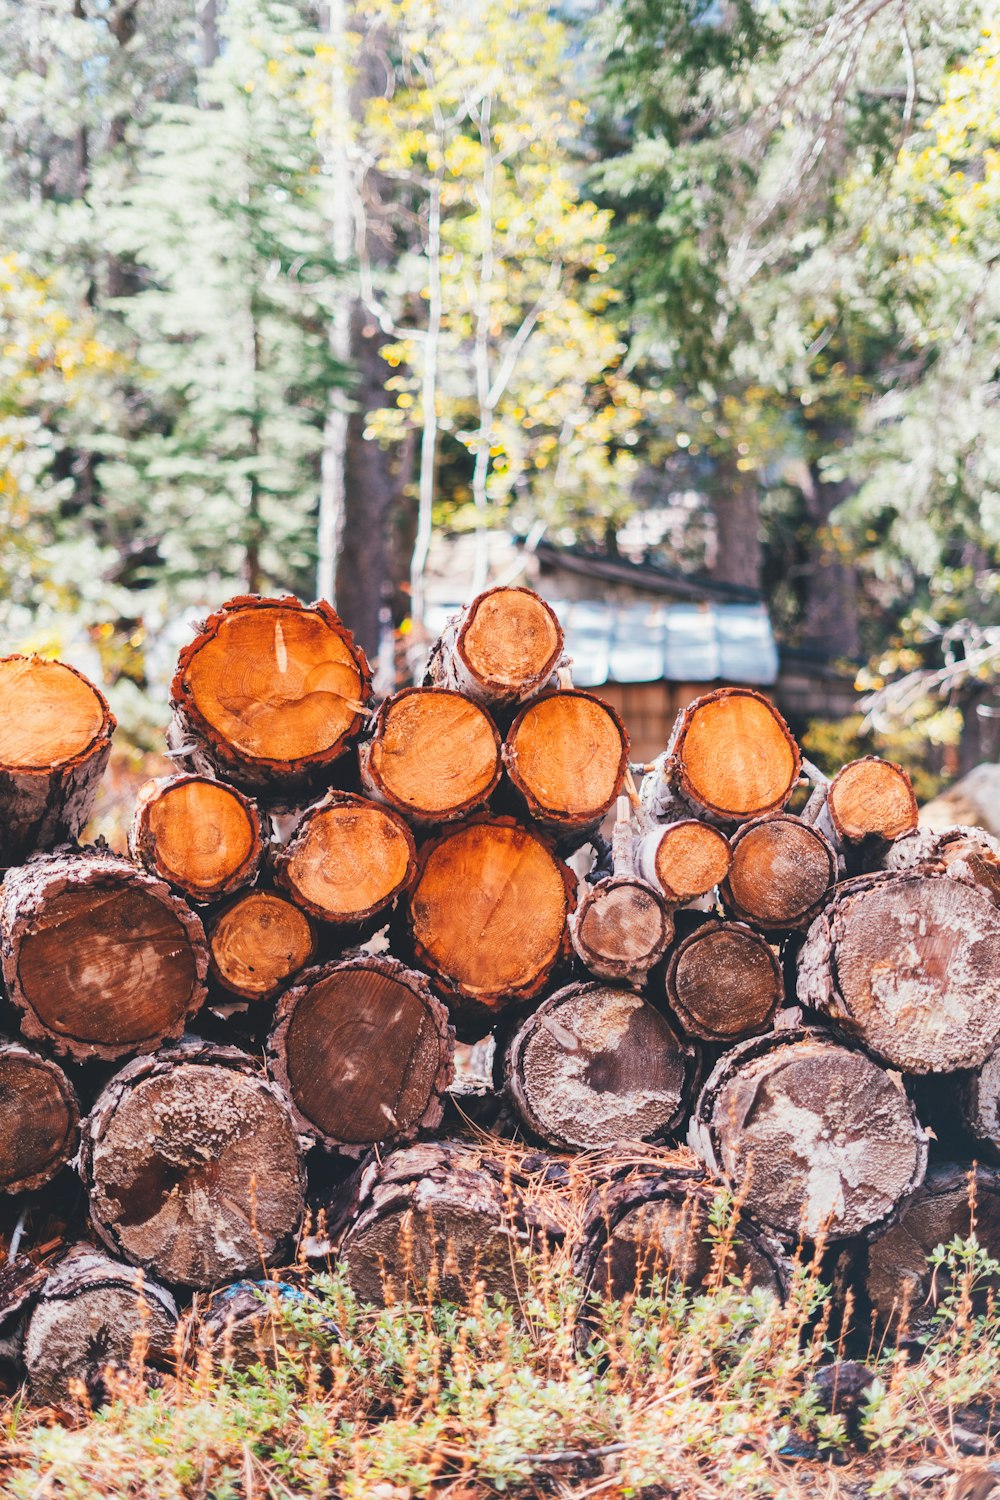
(349,859)
(724,982)
(596,1067)
(434,755)
(509,643)
(872,798)
(258,943)
(781,872)
(688,859)
(193,1165)
(198,835)
(567,754)
(621,929)
(734,755)
(39,1119)
(488,911)
(365,1052)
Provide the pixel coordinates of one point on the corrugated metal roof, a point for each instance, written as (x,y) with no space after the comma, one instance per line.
(619,642)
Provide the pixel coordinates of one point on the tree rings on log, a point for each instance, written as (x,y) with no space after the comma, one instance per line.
(657,1224)
(733,755)
(194,1166)
(620,929)
(871,798)
(433,755)
(39,1119)
(501,650)
(348,860)
(595,1066)
(95,1313)
(257,943)
(269,693)
(685,860)
(816,1139)
(567,755)
(200,836)
(488,914)
(365,1053)
(781,872)
(101,959)
(55,740)
(724,982)
(910,963)
(955,1201)
(433,1220)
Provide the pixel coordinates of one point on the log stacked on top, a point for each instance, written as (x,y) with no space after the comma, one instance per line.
(328,891)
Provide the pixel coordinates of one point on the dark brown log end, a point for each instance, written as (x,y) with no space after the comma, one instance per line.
(734,755)
(349,859)
(567,754)
(781,872)
(200,836)
(258,943)
(724,982)
(100,958)
(39,1119)
(816,1138)
(365,1053)
(686,859)
(872,798)
(596,1067)
(434,755)
(193,1165)
(620,929)
(911,964)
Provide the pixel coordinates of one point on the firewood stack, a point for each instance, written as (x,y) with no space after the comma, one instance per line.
(257,1012)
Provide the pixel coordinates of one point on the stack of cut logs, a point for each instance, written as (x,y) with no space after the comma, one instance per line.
(241,1039)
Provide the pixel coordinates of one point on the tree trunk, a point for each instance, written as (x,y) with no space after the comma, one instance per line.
(193,1165)
(257,943)
(724,982)
(567,754)
(909,963)
(203,838)
(269,694)
(830,621)
(594,1067)
(101,959)
(39,1119)
(433,756)
(55,741)
(620,929)
(501,650)
(348,861)
(739,552)
(206,17)
(780,875)
(95,1314)
(871,799)
(813,1136)
(365,1053)
(684,860)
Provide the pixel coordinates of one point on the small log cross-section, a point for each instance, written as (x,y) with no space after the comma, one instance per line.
(815,1138)
(257,943)
(656,1223)
(39,1119)
(620,929)
(365,1053)
(567,755)
(871,799)
(55,740)
(595,1066)
(101,959)
(488,915)
(433,755)
(685,860)
(433,1216)
(95,1313)
(781,872)
(348,860)
(731,757)
(501,650)
(193,1165)
(724,982)
(200,836)
(269,694)
(910,963)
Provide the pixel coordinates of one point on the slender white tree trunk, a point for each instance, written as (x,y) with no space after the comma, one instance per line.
(484,394)
(428,413)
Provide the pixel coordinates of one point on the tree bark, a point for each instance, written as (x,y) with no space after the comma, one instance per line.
(621,928)
(433,755)
(348,861)
(566,753)
(724,982)
(968,854)
(257,943)
(781,872)
(203,838)
(501,650)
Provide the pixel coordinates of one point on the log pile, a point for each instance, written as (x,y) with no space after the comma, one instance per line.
(240,1040)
